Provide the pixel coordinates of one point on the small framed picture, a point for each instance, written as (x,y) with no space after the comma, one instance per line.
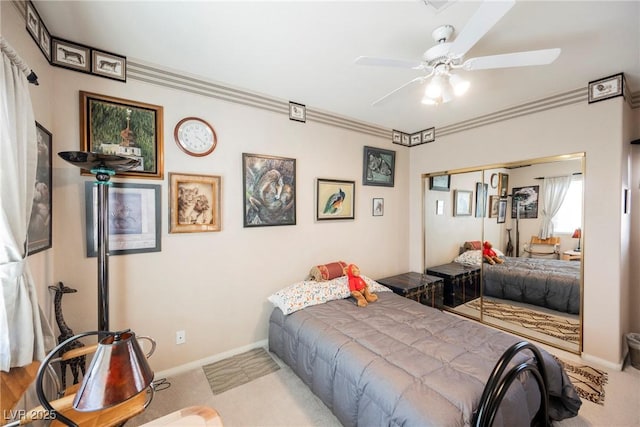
(396,137)
(33,22)
(109,65)
(481,199)
(194,203)
(335,199)
(524,204)
(405,140)
(45,41)
(134,218)
(429,135)
(439,207)
(378,167)
(462,202)
(608,87)
(378,206)
(416,139)
(297,112)
(503,184)
(70,55)
(39,231)
(502,211)
(440,182)
(493,206)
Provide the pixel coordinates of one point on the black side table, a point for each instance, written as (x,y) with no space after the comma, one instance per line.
(425,289)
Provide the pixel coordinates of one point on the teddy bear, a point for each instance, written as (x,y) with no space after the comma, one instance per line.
(358,287)
(489,254)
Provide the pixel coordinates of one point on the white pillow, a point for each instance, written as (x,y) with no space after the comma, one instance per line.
(469,258)
(308,292)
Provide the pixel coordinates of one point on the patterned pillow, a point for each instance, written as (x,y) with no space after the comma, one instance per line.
(474,245)
(329,271)
(469,258)
(309,292)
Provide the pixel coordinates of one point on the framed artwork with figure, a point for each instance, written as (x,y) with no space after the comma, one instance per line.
(194,203)
(39,231)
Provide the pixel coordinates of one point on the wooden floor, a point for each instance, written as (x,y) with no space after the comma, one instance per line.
(14,383)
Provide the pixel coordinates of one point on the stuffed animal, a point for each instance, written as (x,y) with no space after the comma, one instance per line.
(489,254)
(358,287)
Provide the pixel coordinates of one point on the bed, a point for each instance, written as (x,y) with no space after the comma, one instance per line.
(398,362)
(549,283)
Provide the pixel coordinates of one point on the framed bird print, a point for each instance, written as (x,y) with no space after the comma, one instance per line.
(335,199)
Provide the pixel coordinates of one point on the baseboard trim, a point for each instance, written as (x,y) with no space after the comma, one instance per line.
(602,362)
(211,359)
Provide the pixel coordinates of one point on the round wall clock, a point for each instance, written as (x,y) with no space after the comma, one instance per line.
(195,136)
(494,180)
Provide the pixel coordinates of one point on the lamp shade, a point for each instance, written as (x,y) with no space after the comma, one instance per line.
(118,371)
(577,234)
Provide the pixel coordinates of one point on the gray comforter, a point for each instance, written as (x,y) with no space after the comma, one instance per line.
(399,363)
(549,283)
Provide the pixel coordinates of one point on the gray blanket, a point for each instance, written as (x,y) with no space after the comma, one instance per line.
(399,363)
(549,283)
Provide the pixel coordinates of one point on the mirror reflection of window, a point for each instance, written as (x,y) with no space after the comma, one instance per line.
(569,217)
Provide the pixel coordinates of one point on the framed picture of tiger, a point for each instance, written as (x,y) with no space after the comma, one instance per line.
(194,203)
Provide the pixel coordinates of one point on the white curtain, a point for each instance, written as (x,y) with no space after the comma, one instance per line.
(21,337)
(553,194)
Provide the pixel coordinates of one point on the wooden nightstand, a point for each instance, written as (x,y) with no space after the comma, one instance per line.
(572,256)
(423,288)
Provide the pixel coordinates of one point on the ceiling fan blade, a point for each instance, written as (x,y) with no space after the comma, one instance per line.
(409,83)
(487,15)
(517,59)
(386,62)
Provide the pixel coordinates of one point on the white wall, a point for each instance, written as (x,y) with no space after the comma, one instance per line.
(212,285)
(591,128)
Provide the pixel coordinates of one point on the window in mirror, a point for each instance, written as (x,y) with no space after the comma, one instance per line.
(569,217)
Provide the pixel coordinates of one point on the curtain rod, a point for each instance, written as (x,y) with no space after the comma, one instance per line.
(542,177)
(15,58)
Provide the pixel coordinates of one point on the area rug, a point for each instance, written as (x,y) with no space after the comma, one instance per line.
(556,326)
(239,369)
(588,381)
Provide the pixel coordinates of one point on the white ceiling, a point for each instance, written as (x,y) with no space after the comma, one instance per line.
(304,50)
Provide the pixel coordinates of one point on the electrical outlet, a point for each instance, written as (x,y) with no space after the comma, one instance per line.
(181,337)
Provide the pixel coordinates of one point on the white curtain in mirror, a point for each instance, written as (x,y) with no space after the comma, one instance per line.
(553,194)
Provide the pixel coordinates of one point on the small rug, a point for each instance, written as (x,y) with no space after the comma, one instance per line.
(556,326)
(589,382)
(239,369)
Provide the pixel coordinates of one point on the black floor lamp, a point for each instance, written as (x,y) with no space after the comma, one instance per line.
(103,166)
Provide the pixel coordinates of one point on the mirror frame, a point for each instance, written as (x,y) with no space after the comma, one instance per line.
(425,179)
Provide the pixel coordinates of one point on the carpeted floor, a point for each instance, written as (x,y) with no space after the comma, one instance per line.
(239,369)
(559,327)
(588,381)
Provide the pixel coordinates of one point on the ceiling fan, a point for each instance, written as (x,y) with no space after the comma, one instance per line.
(439,61)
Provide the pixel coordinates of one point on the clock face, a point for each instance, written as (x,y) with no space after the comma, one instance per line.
(195,136)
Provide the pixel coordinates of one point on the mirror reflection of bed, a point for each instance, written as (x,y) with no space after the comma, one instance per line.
(536,291)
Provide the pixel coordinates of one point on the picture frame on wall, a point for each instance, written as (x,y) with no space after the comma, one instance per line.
(493,206)
(297,112)
(120,126)
(439,207)
(416,139)
(502,211)
(378,167)
(335,199)
(33,21)
(44,41)
(526,198)
(606,88)
(481,199)
(396,137)
(429,135)
(70,55)
(405,139)
(194,203)
(378,206)
(39,230)
(269,190)
(462,202)
(134,218)
(440,182)
(503,184)
(109,65)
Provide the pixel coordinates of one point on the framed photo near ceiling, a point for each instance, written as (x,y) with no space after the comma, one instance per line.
(119,126)
(39,231)
(440,182)
(396,137)
(109,65)
(481,199)
(335,199)
(429,135)
(269,190)
(378,167)
(297,112)
(70,55)
(524,203)
(45,41)
(502,211)
(606,88)
(194,203)
(134,218)
(462,202)
(33,21)
(503,184)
